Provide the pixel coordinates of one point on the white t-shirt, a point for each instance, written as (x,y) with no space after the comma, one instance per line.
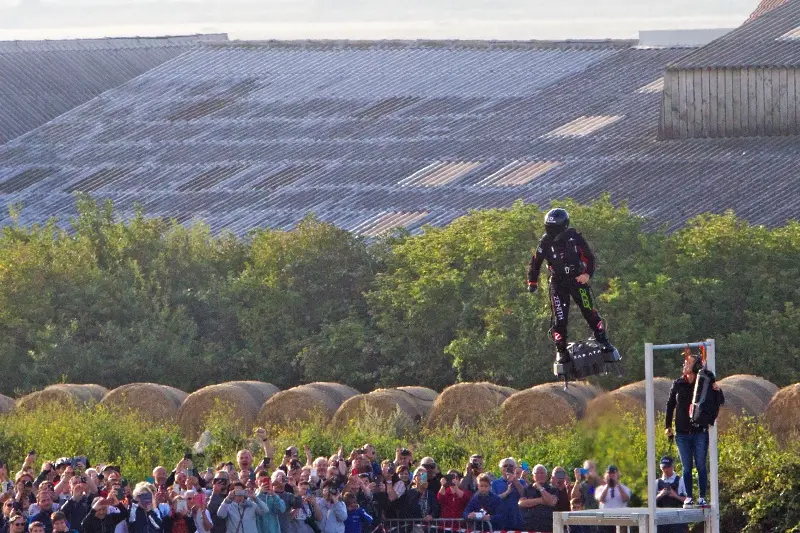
(198,521)
(613,501)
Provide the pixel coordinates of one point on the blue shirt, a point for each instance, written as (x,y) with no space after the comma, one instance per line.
(511,516)
(354,519)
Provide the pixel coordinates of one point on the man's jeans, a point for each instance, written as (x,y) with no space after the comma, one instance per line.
(694,449)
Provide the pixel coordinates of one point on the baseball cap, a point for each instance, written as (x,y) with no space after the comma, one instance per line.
(559,474)
(666,461)
(612,468)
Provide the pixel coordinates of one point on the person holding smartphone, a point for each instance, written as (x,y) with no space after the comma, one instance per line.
(273,504)
(452,499)
(510,488)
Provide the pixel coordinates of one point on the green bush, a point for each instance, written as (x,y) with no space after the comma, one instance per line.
(149,300)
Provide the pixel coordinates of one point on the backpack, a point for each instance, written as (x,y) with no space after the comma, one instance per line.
(705,401)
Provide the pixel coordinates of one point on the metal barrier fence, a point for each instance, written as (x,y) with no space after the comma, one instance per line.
(451,525)
(437,525)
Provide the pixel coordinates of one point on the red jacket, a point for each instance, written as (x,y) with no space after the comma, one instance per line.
(452,506)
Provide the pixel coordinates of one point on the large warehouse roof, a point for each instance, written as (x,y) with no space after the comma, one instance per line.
(43,79)
(771,39)
(371,135)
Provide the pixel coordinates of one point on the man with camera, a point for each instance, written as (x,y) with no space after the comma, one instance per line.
(240,509)
(334,511)
(452,500)
(612,495)
(471,473)
(510,488)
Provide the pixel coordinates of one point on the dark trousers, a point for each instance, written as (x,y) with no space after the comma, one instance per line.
(694,449)
(560,294)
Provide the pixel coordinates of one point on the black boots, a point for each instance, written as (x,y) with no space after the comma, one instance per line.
(562,355)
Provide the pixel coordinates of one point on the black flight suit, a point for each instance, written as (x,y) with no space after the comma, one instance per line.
(568,256)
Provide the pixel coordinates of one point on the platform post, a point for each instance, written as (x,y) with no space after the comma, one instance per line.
(713,450)
(651,437)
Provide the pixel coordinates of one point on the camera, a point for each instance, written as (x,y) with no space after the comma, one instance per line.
(28,484)
(405,452)
(479,515)
(509,469)
(448,480)
(288,452)
(475,465)
(295,464)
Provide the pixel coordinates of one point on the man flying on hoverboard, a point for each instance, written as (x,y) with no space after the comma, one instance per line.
(571,264)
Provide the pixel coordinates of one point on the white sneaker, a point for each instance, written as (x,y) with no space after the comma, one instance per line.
(701,502)
(688,503)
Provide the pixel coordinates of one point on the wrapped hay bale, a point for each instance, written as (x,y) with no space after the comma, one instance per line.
(422,394)
(151,401)
(629,398)
(243,397)
(545,406)
(739,401)
(384,403)
(63,394)
(781,414)
(759,386)
(467,403)
(6,404)
(304,403)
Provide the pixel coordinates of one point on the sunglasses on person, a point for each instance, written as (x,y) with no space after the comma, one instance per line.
(220,481)
(19,524)
(8,504)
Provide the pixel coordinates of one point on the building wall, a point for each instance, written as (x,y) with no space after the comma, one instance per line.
(730,102)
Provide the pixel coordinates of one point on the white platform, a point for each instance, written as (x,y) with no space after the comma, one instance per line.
(630,516)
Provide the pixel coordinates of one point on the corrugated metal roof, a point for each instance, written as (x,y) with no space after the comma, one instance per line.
(43,79)
(368,137)
(757,43)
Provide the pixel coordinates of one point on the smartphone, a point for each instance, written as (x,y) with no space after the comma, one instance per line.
(120,493)
(423,476)
(200,500)
(181,507)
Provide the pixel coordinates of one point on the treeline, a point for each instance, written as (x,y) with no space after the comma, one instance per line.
(149,300)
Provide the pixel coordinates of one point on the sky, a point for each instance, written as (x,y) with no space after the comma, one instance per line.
(365,19)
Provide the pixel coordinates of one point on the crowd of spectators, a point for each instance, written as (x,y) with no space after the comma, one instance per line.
(357,493)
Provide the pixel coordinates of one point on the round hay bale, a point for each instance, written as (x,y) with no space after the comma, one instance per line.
(260,391)
(545,406)
(151,401)
(383,403)
(781,414)
(759,386)
(423,394)
(739,401)
(629,398)
(6,404)
(243,400)
(424,397)
(467,402)
(62,394)
(304,403)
